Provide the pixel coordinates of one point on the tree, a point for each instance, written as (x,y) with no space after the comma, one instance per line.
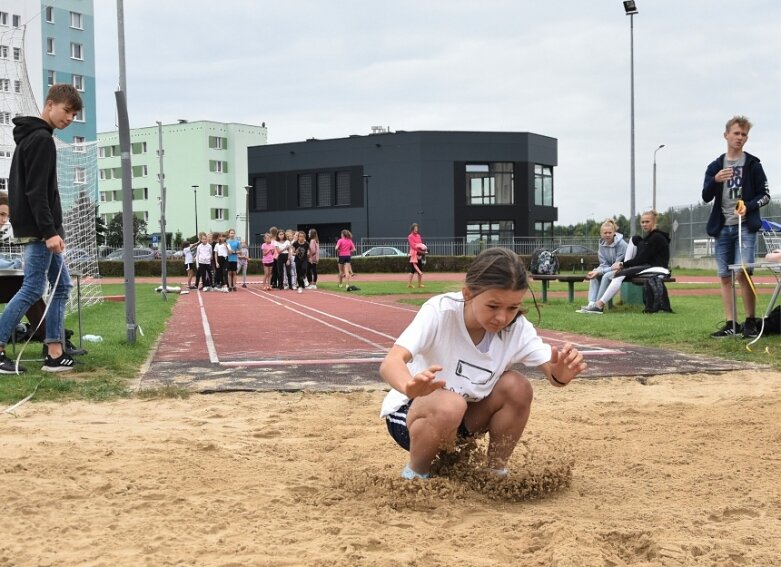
(100,231)
(114,236)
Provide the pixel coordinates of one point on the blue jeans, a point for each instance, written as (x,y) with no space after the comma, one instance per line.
(598,286)
(40,269)
(729,251)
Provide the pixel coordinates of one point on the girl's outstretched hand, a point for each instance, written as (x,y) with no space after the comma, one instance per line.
(424,383)
(565,364)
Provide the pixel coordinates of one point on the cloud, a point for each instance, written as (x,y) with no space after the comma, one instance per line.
(327,69)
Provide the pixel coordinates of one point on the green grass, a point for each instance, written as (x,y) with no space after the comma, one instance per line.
(687,330)
(107,372)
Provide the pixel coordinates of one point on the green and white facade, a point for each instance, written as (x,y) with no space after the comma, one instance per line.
(42,43)
(212,156)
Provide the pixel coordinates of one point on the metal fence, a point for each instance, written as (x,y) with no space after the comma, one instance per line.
(688,229)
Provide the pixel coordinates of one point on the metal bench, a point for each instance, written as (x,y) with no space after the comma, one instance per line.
(569,279)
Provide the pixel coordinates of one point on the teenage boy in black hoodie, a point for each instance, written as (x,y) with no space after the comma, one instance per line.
(35,201)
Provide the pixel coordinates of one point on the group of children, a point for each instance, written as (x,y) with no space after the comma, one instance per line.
(289,259)
(215,261)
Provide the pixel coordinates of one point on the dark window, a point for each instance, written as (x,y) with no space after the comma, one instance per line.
(305,190)
(543,229)
(324,198)
(489,183)
(490,232)
(342,188)
(260,195)
(543,185)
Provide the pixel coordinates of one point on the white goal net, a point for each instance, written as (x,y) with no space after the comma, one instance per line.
(76,174)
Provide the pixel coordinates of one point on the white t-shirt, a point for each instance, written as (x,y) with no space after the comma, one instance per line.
(188,256)
(204,253)
(438,335)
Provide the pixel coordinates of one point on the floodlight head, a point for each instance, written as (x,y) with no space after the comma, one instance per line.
(630,7)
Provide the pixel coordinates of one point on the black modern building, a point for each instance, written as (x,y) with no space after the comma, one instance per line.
(479,185)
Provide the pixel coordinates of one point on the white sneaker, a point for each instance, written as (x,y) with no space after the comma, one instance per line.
(224,289)
(300,290)
(207,288)
(312,286)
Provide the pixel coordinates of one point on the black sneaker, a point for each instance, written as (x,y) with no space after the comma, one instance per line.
(727,331)
(751,328)
(62,363)
(8,366)
(73,350)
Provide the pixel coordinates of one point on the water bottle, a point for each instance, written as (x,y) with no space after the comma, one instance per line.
(93,338)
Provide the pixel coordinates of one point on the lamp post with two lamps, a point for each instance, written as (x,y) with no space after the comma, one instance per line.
(630,7)
(654,193)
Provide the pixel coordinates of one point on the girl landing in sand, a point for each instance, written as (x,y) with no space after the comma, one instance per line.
(450,370)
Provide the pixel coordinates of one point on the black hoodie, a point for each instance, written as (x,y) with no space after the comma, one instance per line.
(653,250)
(33,198)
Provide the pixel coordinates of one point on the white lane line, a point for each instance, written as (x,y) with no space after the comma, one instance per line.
(302,362)
(382,348)
(360,299)
(340,319)
(208,332)
(600,352)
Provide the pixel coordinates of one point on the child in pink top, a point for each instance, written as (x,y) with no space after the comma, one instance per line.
(269,254)
(416,251)
(344,249)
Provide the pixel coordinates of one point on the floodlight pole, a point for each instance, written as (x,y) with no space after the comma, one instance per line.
(632,220)
(163,243)
(654,194)
(128,237)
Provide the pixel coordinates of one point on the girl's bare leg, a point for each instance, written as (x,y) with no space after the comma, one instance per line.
(503,414)
(433,422)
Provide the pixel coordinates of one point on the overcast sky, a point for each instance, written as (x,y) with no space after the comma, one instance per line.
(331,68)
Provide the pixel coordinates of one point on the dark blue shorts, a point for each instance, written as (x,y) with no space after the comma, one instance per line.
(397,426)
(345,259)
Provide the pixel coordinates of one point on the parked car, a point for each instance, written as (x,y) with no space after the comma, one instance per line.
(168,253)
(74,255)
(383,251)
(138,254)
(574,249)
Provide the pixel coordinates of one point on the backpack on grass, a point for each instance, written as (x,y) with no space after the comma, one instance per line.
(544,262)
(773,322)
(655,296)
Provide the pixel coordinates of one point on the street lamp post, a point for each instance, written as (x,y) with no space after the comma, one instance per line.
(654,194)
(195,201)
(630,7)
(246,210)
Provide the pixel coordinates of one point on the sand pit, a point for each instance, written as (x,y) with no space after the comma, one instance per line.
(682,470)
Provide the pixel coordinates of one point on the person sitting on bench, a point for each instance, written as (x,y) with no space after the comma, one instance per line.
(612,249)
(650,254)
